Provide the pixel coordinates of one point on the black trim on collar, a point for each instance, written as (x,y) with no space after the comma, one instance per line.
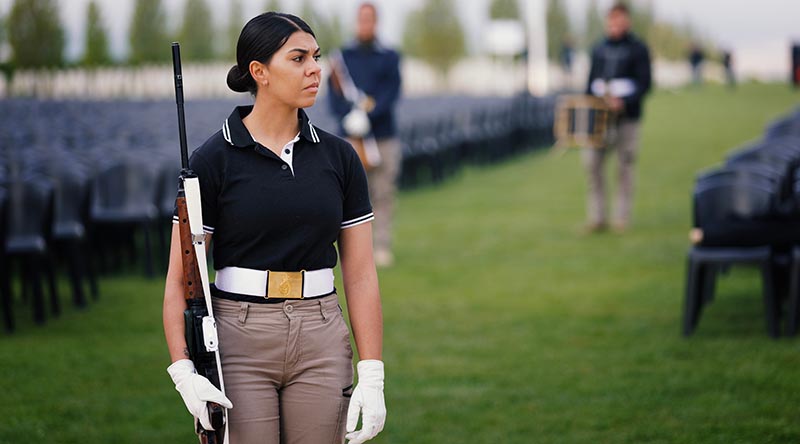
(307,130)
(236,134)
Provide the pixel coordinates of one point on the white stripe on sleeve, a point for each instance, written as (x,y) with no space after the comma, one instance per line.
(358,221)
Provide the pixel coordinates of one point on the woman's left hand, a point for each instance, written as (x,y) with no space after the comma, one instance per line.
(367,400)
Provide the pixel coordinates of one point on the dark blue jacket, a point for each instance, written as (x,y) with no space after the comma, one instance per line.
(626,59)
(375,71)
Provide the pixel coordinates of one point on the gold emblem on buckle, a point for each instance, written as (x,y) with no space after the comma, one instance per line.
(285,284)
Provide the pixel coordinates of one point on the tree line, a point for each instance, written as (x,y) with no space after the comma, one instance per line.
(432,33)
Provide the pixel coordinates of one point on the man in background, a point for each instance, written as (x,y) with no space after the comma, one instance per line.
(727,63)
(696,59)
(375,71)
(567,55)
(620,74)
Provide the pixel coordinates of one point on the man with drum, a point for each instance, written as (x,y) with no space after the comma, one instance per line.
(620,74)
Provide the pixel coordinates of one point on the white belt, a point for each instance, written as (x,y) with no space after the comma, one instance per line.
(289,285)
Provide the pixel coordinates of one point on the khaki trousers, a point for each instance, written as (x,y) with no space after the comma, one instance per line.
(287,369)
(382,188)
(624,138)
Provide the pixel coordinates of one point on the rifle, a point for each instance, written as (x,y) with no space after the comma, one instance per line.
(201,329)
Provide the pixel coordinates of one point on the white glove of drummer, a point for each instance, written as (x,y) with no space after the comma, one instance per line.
(196,390)
(356,123)
(367,400)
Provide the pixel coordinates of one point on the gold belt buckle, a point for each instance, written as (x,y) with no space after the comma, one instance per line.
(285,284)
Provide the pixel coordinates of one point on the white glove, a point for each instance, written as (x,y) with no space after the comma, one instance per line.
(367,399)
(356,123)
(196,390)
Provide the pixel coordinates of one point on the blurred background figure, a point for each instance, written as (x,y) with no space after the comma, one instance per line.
(375,71)
(696,58)
(727,64)
(620,73)
(567,55)
(796,64)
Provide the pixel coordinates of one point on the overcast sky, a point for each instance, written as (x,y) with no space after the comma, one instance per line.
(758,31)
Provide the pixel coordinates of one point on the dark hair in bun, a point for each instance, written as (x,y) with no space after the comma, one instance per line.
(261,37)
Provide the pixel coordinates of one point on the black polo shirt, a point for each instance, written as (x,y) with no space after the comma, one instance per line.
(266,214)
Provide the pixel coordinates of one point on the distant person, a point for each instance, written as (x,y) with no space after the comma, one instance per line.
(620,74)
(566,57)
(727,63)
(375,72)
(796,64)
(696,58)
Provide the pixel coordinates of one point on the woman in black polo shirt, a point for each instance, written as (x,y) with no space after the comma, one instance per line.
(276,193)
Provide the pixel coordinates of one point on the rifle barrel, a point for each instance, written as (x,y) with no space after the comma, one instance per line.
(176,66)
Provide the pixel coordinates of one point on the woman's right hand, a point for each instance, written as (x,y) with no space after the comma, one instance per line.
(196,391)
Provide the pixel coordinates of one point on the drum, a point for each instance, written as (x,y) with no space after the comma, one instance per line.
(581,121)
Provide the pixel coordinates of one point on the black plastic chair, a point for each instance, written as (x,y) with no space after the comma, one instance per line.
(779,152)
(785,126)
(6,297)
(122,203)
(28,238)
(793,318)
(742,203)
(794,294)
(71,229)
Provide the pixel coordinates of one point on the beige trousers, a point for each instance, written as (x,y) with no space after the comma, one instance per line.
(382,188)
(287,369)
(624,138)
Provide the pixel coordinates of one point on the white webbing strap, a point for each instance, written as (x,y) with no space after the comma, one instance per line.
(191,187)
(349,89)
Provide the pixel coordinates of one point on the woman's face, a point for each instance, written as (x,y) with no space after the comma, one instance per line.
(293,74)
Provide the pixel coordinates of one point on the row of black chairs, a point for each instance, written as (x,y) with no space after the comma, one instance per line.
(747,212)
(83,224)
(89,187)
(439,135)
(470,131)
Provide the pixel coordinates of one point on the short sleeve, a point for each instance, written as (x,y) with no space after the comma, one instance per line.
(209,190)
(356,208)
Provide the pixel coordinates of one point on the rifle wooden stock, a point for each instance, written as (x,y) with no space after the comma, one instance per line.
(191,273)
(195,298)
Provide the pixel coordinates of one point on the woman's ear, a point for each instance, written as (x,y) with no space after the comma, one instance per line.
(260,73)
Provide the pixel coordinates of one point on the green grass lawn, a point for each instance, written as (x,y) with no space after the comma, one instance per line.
(503,323)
